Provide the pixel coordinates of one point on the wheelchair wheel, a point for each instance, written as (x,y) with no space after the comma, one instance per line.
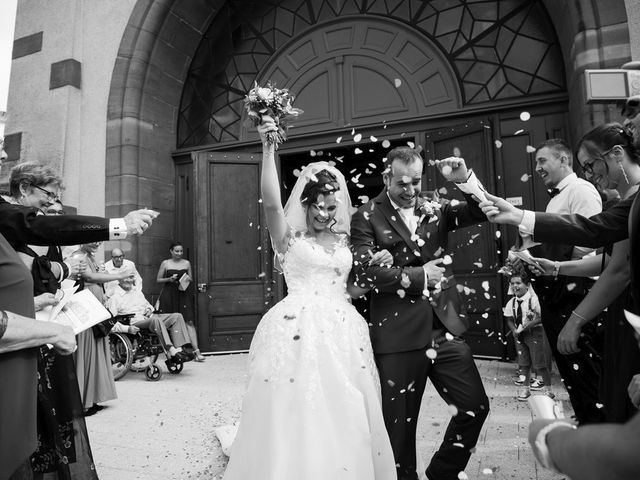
(121,354)
(139,364)
(174,366)
(153,373)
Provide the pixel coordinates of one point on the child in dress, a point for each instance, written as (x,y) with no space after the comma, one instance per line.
(523,317)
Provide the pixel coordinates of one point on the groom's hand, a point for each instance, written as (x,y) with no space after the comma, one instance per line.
(453,169)
(498,210)
(434,271)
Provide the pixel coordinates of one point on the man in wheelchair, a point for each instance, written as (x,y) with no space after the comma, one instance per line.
(169,327)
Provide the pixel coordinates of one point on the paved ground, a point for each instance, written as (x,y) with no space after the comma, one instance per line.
(164,429)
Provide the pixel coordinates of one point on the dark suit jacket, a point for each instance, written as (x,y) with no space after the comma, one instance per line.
(21,225)
(401,317)
(615,224)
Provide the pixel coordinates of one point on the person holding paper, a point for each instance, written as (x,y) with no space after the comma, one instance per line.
(175,277)
(170,327)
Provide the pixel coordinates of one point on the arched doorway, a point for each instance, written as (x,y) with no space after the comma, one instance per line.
(445,79)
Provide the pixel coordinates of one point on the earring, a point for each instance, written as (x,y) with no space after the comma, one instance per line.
(626,179)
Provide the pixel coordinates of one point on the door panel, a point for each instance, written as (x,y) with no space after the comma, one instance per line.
(472,249)
(234,268)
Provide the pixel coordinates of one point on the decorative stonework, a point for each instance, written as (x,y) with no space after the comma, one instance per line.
(27,45)
(65,72)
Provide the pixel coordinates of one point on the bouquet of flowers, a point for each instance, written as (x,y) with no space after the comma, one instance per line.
(272,101)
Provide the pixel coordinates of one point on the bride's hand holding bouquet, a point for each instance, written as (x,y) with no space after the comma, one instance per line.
(275,104)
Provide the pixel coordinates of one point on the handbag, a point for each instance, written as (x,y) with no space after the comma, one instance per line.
(102,329)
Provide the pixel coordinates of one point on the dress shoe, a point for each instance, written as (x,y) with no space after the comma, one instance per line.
(182,357)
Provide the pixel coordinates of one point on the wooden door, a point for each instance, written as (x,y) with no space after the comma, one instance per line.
(233,266)
(474,250)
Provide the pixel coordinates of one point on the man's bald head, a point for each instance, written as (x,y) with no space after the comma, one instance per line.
(117,257)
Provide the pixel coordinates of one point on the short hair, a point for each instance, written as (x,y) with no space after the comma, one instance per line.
(175,244)
(606,136)
(119,249)
(323,183)
(518,269)
(560,146)
(34,174)
(404,155)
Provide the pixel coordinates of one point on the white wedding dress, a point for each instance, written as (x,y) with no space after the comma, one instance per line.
(312,406)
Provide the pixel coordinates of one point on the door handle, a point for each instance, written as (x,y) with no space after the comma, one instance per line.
(202,287)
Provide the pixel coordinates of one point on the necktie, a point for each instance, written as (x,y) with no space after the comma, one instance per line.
(518,319)
(553,192)
(409,219)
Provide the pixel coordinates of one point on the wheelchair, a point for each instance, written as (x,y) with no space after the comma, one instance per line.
(138,352)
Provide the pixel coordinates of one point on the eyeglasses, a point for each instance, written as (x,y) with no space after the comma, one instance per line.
(117,256)
(50,195)
(587,167)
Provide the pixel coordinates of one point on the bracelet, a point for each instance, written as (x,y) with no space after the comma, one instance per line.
(541,444)
(556,269)
(573,312)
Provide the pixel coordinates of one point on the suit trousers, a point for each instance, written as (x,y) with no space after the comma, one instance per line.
(455,376)
(169,327)
(580,372)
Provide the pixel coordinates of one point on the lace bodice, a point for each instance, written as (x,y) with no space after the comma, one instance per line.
(310,269)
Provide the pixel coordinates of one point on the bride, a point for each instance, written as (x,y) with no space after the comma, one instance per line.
(312,405)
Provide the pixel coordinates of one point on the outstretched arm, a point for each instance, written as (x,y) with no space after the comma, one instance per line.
(270,189)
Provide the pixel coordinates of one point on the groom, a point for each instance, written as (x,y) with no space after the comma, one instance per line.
(415,311)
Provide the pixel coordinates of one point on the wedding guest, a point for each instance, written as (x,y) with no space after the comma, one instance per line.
(93,358)
(18,367)
(610,162)
(174,297)
(311,368)
(523,316)
(416,313)
(169,327)
(119,264)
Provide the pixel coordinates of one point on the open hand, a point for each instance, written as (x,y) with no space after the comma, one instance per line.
(498,210)
(453,169)
(138,221)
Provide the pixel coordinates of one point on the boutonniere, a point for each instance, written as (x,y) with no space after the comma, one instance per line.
(427,210)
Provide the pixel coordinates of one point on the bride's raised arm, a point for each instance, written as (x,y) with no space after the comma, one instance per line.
(270,189)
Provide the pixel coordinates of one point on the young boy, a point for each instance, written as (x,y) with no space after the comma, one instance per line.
(523,317)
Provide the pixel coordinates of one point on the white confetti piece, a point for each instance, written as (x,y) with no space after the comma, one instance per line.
(453,410)
(449,336)
(485,285)
(531,149)
(456,152)
(518,132)
(487,471)
(357,137)
(525,116)
(498,233)
(462,475)
(411,144)
(397,82)
(447,260)
(338,140)
(386,144)
(401,293)
(431,354)
(498,144)
(524,178)
(373,139)
(312,153)
(576,367)
(357,151)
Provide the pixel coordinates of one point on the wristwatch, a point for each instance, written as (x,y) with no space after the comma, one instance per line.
(541,444)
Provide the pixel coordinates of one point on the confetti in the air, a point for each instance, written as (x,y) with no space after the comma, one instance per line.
(431,354)
(519,132)
(524,178)
(531,149)
(357,151)
(462,476)
(397,82)
(373,139)
(525,116)
(357,137)
(456,152)
(447,260)
(386,144)
(498,144)
(411,144)
(338,140)
(401,293)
